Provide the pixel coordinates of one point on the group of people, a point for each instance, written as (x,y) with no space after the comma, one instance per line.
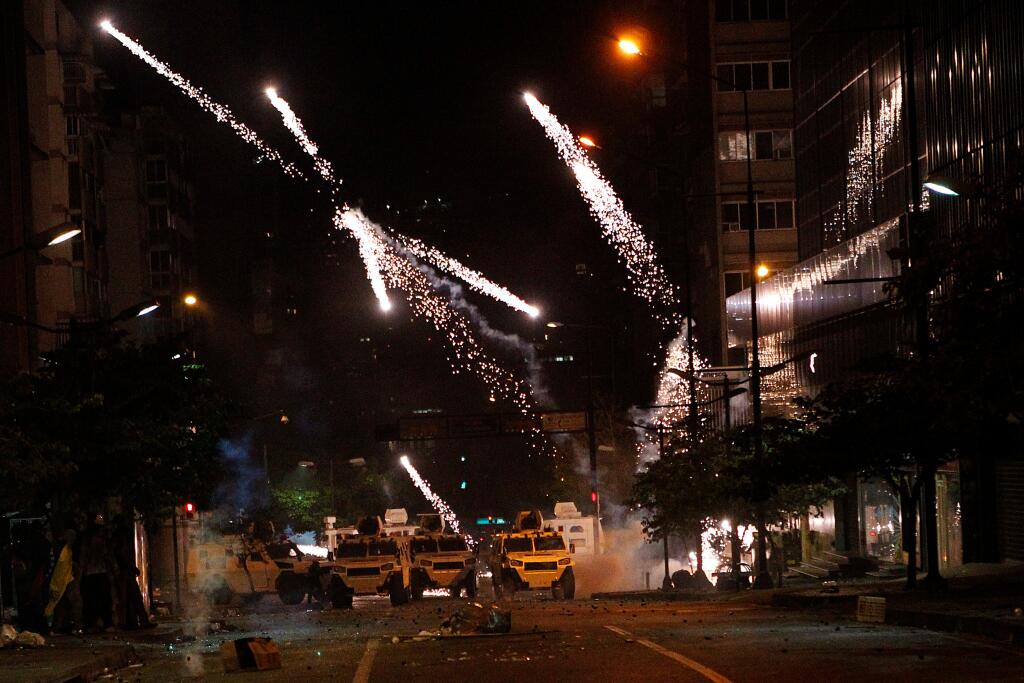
(83,581)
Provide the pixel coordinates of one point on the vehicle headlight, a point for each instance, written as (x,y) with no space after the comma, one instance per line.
(564,561)
(426,563)
(470,560)
(387,567)
(515,563)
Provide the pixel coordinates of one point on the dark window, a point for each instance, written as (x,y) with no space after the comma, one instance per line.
(782,144)
(760,78)
(350,550)
(158,219)
(780,75)
(723,10)
(730,216)
(725,78)
(74,186)
(736,282)
(518,545)
(758,10)
(451,545)
(741,76)
(424,545)
(777,9)
(763,145)
(766,216)
(784,214)
(550,543)
(740,10)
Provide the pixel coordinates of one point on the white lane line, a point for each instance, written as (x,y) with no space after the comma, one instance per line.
(704,671)
(366,663)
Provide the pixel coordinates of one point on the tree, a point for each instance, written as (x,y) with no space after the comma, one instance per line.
(105,419)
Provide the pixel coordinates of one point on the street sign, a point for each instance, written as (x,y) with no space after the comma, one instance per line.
(431,427)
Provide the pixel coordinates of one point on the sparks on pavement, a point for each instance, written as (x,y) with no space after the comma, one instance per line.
(645,274)
(220,111)
(435,500)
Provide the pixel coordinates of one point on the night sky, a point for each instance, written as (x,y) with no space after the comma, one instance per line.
(412,102)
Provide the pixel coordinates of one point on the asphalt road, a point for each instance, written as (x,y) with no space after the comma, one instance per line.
(734,640)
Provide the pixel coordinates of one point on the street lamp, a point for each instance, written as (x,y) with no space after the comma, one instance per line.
(190,300)
(762,271)
(629,47)
(47,238)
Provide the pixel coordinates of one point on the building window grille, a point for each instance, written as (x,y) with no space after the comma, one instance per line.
(754,76)
(768,145)
(751,10)
(769,215)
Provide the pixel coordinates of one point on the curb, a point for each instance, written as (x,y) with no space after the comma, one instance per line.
(799,600)
(98,666)
(988,627)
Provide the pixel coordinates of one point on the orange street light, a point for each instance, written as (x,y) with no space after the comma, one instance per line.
(762,271)
(190,300)
(629,47)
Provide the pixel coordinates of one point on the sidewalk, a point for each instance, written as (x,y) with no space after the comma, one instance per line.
(80,658)
(979,599)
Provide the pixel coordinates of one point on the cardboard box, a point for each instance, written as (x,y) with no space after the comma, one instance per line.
(250,654)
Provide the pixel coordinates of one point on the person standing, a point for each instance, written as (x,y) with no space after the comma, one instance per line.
(64,610)
(97,601)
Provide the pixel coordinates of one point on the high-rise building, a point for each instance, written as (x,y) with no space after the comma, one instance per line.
(885,95)
(148,196)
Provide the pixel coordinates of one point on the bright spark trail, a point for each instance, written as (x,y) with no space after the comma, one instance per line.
(371,246)
(378,250)
(637,253)
(436,501)
(220,111)
(476,280)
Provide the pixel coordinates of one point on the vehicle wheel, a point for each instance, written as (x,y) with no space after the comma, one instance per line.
(341,596)
(556,591)
(568,584)
(398,592)
(417,587)
(291,589)
(471,586)
(508,587)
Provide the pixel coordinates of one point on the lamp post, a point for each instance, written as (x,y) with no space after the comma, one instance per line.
(630,47)
(47,238)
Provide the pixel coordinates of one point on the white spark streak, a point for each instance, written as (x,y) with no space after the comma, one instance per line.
(476,280)
(436,501)
(294,124)
(633,248)
(220,111)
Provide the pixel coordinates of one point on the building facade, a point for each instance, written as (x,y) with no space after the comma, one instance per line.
(885,96)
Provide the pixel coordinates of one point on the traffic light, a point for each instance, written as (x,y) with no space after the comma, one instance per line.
(593,496)
(462,486)
(190,510)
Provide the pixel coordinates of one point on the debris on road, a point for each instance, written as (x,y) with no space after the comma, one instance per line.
(250,654)
(473,618)
(10,637)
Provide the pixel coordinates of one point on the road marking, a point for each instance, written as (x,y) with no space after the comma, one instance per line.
(366,663)
(704,671)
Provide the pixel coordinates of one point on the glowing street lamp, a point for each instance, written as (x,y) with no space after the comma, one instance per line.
(190,300)
(762,271)
(629,47)
(47,238)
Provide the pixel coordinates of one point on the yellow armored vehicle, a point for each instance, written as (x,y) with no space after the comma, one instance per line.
(441,560)
(530,558)
(249,567)
(371,562)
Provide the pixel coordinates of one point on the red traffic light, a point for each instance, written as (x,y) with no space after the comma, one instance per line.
(593,496)
(190,510)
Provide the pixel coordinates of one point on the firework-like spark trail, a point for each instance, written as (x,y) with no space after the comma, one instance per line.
(220,111)
(397,269)
(436,501)
(369,241)
(476,280)
(634,249)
